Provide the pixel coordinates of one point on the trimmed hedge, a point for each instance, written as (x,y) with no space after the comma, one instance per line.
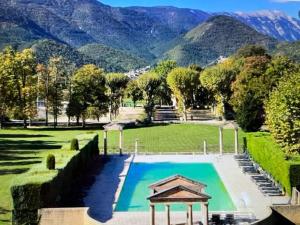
(50,162)
(271,158)
(40,187)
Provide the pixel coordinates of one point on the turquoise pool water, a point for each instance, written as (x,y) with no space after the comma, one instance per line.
(135,190)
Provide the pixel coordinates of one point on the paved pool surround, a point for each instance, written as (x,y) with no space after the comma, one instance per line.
(103,195)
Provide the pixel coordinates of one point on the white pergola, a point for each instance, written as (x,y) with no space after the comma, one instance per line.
(110,127)
(179,189)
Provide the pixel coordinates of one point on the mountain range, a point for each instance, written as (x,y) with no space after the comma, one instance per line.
(138,35)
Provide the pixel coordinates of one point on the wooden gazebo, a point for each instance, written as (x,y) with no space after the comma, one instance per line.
(113,126)
(179,189)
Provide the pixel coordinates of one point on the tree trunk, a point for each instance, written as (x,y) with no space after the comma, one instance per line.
(25,123)
(83,121)
(1,122)
(69,121)
(77,120)
(47,117)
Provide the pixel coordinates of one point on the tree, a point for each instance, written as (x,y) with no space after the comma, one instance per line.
(283,113)
(134,92)
(218,79)
(25,85)
(163,69)
(252,85)
(88,90)
(251,50)
(149,83)
(116,83)
(7,64)
(183,82)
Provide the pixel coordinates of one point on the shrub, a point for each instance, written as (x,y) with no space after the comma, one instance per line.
(271,158)
(51,162)
(74,144)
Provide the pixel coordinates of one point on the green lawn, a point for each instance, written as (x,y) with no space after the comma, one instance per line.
(172,138)
(22,149)
(19,151)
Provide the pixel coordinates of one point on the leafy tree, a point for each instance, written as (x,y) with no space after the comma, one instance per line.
(116,83)
(7,64)
(149,83)
(283,113)
(25,85)
(184,82)
(88,90)
(251,50)
(163,69)
(218,79)
(252,85)
(134,92)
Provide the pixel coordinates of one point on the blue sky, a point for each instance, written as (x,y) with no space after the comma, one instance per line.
(290,7)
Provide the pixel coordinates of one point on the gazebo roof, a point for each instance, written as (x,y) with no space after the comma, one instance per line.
(114,126)
(177,180)
(179,193)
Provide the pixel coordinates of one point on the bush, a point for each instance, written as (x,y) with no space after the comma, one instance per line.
(51,162)
(271,158)
(74,144)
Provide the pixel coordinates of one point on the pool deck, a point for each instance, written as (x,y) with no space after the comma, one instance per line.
(103,195)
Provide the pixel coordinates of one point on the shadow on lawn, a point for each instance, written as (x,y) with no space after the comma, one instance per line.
(6,145)
(24,135)
(24,163)
(12,171)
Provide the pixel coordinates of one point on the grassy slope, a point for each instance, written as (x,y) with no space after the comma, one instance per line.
(20,150)
(173,138)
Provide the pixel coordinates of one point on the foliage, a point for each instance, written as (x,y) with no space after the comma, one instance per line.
(149,83)
(116,84)
(289,49)
(283,113)
(74,144)
(271,158)
(50,162)
(218,79)
(250,89)
(134,92)
(163,69)
(250,50)
(88,89)
(184,82)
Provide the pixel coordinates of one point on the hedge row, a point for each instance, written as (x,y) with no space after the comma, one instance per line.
(40,187)
(271,158)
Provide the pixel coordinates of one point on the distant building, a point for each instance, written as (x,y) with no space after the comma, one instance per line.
(134,74)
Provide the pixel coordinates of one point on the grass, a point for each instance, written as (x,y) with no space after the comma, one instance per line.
(20,150)
(172,138)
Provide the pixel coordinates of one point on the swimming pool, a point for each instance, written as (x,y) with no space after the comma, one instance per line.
(135,190)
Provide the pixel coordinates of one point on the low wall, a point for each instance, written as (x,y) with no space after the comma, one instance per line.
(63,216)
(291,212)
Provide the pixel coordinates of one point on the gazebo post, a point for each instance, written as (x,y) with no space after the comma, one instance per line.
(152,214)
(121,142)
(205,213)
(221,140)
(105,142)
(168,214)
(190,212)
(205,147)
(236,140)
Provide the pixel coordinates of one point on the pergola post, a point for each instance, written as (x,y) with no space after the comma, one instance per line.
(168,214)
(205,213)
(152,214)
(105,142)
(205,147)
(221,140)
(190,212)
(236,140)
(121,142)
(136,146)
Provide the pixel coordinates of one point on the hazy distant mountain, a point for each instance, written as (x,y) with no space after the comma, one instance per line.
(218,36)
(273,23)
(139,31)
(292,50)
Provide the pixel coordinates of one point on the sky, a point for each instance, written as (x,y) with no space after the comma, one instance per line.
(290,7)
